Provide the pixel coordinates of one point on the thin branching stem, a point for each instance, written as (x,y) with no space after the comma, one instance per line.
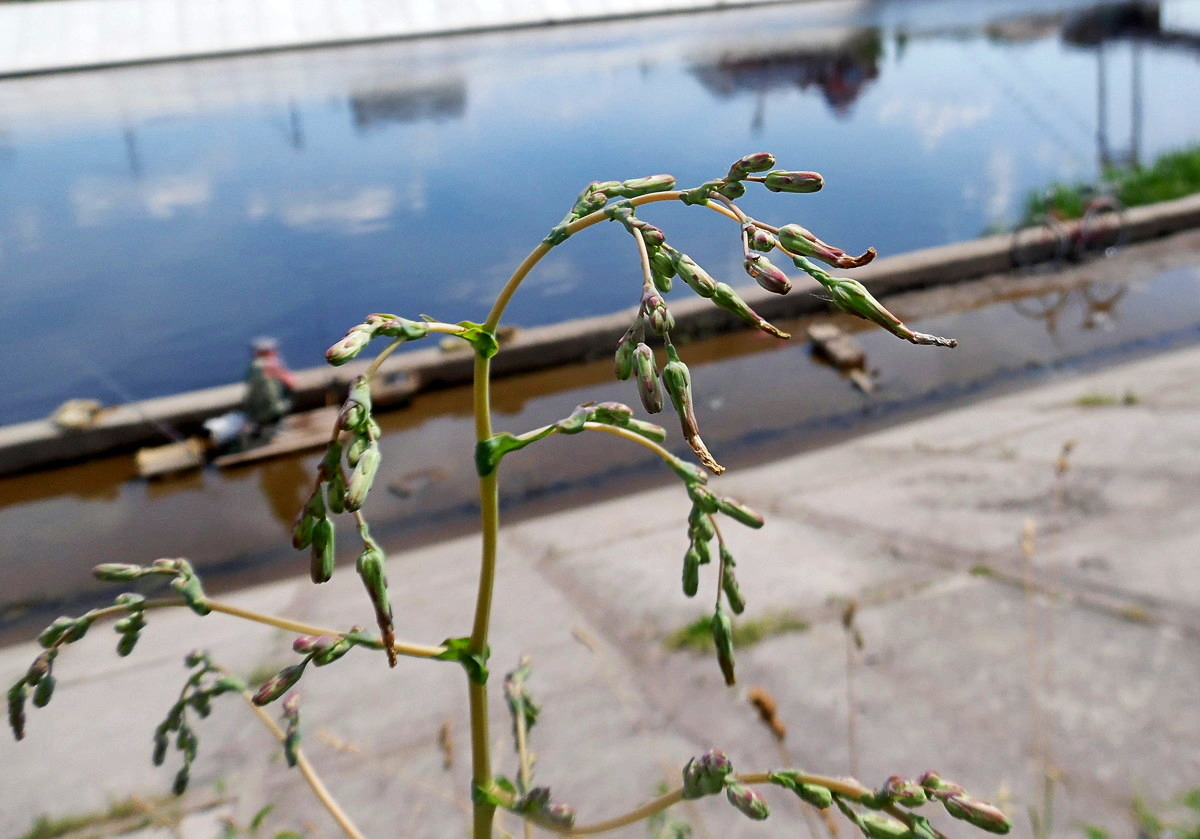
(310,775)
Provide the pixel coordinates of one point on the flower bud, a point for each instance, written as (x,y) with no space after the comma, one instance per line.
(559,815)
(660,318)
(357,446)
(706,774)
(350,346)
(652,236)
(740,512)
(647,378)
(623,361)
(879,826)
(279,684)
(766,274)
(371,568)
(759,239)
(611,413)
(691,572)
(63,630)
(16,709)
(729,583)
(780,180)
(322,553)
(391,326)
(649,430)
(313,511)
(362,477)
(722,633)
(335,491)
(356,410)
(747,800)
(971,810)
(644,186)
(749,164)
(117,572)
(725,297)
(905,793)
(696,277)
(733,190)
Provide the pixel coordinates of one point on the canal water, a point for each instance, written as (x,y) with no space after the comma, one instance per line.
(155,219)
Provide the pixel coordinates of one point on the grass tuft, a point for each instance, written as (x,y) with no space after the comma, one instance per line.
(697,635)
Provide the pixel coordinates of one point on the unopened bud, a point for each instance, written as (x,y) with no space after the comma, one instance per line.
(63,630)
(691,572)
(611,413)
(349,347)
(733,190)
(652,236)
(740,512)
(766,274)
(362,477)
(759,239)
(16,709)
(649,388)
(973,811)
(559,815)
(696,277)
(728,299)
(644,186)
(706,774)
(879,826)
(729,583)
(623,361)
(657,314)
(322,554)
(903,792)
(747,800)
(117,572)
(662,264)
(749,164)
(780,180)
(278,685)
(722,633)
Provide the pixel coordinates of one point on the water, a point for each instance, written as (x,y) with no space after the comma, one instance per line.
(157,218)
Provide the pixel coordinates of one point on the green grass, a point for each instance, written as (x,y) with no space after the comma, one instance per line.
(1173,175)
(697,635)
(47,828)
(1100,400)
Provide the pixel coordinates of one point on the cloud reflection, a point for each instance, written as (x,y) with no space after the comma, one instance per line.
(364,210)
(97,200)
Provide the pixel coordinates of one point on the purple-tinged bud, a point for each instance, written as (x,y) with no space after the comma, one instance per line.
(733,190)
(903,792)
(349,347)
(314,511)
(728,299)
(740,512)
(657,314)
(759,239)
(652,236)
(362,477)
(559,815)
(766,274)
(612,413)
(677,380)
(933,781)
(976,812)
(696,277)
(879,826)
(322,553)
(644,186)
(117,572)
(722,634)
(759,161)
(371,568)
(649,388)
(356,410)
(391,326)
(279,684)
(799,241)
(747,800)
(780,180)
(706,774)
(310,643)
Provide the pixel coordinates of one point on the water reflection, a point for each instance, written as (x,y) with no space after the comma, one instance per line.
(1098,302)
(840,71)
(438,101)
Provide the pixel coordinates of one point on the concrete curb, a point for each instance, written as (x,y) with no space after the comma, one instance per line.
(39,444)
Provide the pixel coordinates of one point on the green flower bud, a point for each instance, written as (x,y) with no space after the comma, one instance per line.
(906,793)
(611,413)
(652,236)
(322,553)
(696,277)
(691,572)
(728,299)
(879,826)
(126,643)
(722,633)
(747,800)
(313,511)
(647,429)
(740,512)
(16,709)
(160,746)
(662,264)
(973,811)
(729,583)
(362,477)
(356,410)
(655,309)
(279,684)
(391,326)
(130,600)
(371,568)
(700,194)
(817,796)
(623,361)
(644,186)
(559,815)
(349,347)
(749,164)
(733,190)
(117,572)
(706,775)
(759,239)
(780,180)
(647,378)
(357,446)
(187,585)
(766,274)
(335,491)
(63,630)
(180,785)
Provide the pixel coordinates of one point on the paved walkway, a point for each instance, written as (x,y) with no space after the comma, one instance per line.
(54,35)
(1077,660)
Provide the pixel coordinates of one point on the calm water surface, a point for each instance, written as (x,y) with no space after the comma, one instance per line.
(157,218)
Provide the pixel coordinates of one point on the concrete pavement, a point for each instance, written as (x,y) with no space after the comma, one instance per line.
(1075,660)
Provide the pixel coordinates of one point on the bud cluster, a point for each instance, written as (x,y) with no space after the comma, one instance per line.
(206,682)
(520,701)
(598,193)
(374,326)
(536,805)
(291,735)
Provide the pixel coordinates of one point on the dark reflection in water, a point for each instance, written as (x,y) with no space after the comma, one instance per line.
(157,218)
(839,71)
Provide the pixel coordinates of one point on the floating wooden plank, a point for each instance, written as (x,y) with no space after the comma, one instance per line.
(156,461)
(296,433)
